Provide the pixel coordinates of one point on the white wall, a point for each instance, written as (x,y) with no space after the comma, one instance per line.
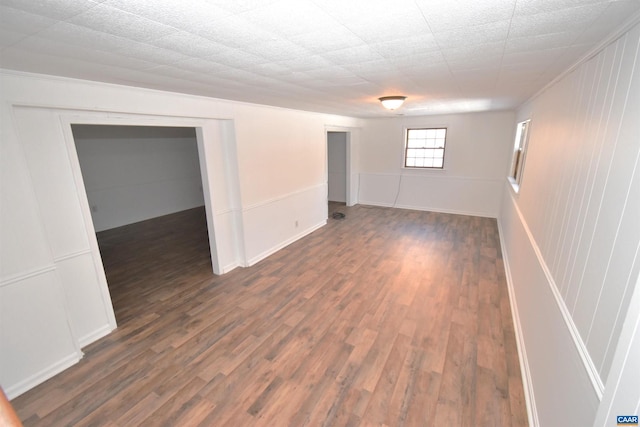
(572,234)
(337,166)
(133,173)
(476,160)
(263,169)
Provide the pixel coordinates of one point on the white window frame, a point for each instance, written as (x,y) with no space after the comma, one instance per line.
(519,156)
(406,148)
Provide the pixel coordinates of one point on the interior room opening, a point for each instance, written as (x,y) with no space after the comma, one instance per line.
(144,188)
(337,167)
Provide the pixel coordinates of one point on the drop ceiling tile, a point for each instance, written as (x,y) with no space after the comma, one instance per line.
(198,65)
(306,63)
(150,53)
(476,35)
(45,63)
(483,72)
(272,69)
(353,55)
(376,30)
(189,44)
(617,11)
(289,18)
(240,6)
(330,72)
(276,50)
(572,19)
(443,15)
(76,35)
(23,22)
(120,23)
(406,47)
(372,68)
(463,64)
(532,57)
(10,37)
(532,7)
(175,13)
(43,45)
(233,31)
(383,21)
(544,41)
(237,58)
(473,52)
(441,79)
(527,78)
(334,38)
(350,12)
(424,61)
(53,9)
(569,56)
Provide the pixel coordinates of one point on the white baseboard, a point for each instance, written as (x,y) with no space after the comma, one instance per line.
(428,209)
(227,268)
(284,244)
(43,375)
(527,383)
(95,335)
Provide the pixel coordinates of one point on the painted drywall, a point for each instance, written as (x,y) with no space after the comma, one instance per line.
(133,173)
(571,235)
(264,181)
(337,166)
(476,159)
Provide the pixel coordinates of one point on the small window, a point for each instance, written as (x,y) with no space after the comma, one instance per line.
(519,153)
(425,148)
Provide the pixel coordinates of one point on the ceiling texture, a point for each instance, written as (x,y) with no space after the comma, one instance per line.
(331,56)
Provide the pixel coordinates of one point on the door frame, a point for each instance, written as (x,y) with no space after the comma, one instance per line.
(351,183)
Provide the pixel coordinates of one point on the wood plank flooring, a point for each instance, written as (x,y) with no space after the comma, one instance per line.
(387,317)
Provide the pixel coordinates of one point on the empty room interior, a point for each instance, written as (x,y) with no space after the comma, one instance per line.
(320,212)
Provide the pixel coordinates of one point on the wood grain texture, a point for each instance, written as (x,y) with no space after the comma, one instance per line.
(388,317)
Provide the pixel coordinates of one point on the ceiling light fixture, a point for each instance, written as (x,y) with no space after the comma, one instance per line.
(392,102)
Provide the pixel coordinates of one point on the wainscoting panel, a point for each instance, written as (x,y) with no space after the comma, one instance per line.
(560,379)
(450,194)
(35,336)
(279,222)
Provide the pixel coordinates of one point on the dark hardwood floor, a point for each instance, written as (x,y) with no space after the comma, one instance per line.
(387,317)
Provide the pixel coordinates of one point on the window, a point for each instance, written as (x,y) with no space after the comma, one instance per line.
(425,148)
(519,152)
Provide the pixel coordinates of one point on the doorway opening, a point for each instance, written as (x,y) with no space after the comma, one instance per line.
(337,172)
(145,193)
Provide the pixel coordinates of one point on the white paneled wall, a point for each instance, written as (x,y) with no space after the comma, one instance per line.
(476,161)
(579,204)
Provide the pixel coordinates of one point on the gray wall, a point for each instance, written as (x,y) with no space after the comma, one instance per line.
(337,166)
(133,173)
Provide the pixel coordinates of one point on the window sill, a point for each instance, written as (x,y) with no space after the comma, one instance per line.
(408,168)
